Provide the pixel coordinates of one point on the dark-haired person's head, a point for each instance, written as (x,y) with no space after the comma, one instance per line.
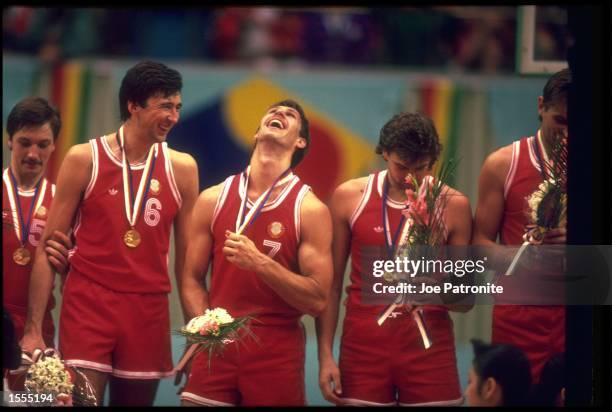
(550,390)
(409,144)
(552,105)
(33,126)
(287,122)
(150,97)
(500,376)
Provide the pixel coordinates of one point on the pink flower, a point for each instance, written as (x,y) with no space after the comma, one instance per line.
(416,203)
(210,327)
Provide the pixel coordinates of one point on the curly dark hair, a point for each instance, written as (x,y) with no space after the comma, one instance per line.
(299,154)
(146,79)
(33,112)
(412,136)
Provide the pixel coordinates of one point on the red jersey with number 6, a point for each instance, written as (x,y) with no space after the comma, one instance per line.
(275,232)
(100,252)
(16,278)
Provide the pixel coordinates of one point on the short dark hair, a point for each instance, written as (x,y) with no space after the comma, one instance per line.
(508,365)
(555,90)
(146,79)
(412,136)
(33,112)
(299,154)
(552,380)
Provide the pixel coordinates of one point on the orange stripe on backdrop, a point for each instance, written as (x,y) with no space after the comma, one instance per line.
(66,94)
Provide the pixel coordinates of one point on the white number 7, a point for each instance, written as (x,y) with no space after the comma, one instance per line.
(274,245)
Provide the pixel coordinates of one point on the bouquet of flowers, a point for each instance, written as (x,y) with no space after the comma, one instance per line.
(212,331)
(424,226)
(53,381)
(548,203)
(48,376)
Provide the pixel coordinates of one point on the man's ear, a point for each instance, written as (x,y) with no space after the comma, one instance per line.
(10,144)
(489,387)
(301,143)
(541,108)
(132,106)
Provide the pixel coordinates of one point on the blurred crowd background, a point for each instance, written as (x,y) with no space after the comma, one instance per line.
(459,38)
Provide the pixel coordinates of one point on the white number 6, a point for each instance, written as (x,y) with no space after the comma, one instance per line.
(151,214)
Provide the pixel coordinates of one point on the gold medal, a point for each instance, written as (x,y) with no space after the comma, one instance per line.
(155,187)
(41,212)
(22,256)
(131,238)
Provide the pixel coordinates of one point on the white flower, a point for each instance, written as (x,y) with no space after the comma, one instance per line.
(221,316)
(217,315)
(48,375)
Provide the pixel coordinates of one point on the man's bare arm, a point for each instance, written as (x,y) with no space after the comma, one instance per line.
(490,208)
(186,174)
(72,180)
(194,296)
(459,221)
(343,202)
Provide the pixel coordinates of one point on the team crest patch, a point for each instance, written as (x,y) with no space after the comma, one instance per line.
(155,187)
(41,212)
(276,229)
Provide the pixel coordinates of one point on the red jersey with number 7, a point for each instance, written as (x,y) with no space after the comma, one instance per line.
(275,232)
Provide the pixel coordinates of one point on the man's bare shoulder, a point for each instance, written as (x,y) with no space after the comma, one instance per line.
(79,154)
(315,215)
(500,158)
(210,194)
(351,188)
(182,161)
(312,204)
(456,200)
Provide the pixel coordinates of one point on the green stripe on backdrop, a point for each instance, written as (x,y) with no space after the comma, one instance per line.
(454,118)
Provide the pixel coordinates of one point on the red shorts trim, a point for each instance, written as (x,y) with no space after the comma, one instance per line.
(268,371)
(388,364)
(125,334)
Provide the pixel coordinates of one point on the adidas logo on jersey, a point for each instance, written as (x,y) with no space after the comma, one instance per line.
(378,229)
(112,191)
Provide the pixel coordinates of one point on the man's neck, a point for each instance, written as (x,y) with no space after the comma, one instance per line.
(137,145)
(266,167)
(25,181)
(395,192)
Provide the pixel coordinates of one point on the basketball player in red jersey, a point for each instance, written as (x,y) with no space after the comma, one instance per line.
(122,192)
(508,176)
(388,364)
(32,126)
(271,258)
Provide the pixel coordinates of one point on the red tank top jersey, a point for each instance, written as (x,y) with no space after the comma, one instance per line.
(100,253)
(541,328)
(275,232)
(522,180)
(16,278)
(368,242)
